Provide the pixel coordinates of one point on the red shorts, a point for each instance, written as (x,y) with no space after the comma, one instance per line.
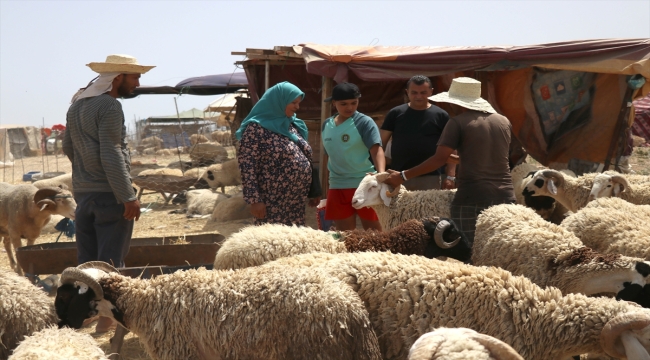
(339,206)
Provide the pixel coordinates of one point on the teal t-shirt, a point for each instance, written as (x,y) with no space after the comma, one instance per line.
(347,146)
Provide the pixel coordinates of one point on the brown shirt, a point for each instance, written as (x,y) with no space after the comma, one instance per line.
(483,142)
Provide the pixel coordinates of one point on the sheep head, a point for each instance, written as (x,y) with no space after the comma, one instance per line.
(444,341)
(627,336)
(373,191)
(608,185)
(545,182)
(56,200)
(80,295)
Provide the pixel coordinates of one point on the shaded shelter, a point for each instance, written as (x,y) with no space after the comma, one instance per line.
(566,100)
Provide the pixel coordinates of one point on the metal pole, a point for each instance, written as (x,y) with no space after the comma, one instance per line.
(325,112)
(178,116)
(267,71)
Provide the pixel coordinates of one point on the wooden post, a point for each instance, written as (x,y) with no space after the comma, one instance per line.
(267,70)
(325,112)
(619,129)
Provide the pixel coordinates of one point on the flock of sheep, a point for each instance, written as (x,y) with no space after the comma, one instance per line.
(562,274)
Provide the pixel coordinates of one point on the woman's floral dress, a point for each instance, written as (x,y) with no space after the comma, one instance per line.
(276,172)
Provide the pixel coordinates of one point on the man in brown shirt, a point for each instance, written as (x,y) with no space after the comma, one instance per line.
(482,138)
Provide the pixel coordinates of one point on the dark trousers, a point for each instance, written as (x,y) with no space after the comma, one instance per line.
(102,231)
(465,216)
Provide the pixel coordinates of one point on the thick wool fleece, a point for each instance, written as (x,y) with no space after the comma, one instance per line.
(408,296)
(613,226)
(409,205)
(253,313)
(515,238)
(24,309)
(58,344)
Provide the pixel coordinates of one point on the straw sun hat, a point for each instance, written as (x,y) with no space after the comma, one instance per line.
(119,63)
(465,92)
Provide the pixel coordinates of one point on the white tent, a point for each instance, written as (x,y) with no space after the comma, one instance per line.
(225,103)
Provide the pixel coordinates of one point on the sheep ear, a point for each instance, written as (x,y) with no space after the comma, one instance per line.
(551,187)
(383,194)
(46,203)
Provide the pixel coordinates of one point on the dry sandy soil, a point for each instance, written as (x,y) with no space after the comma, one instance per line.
(158,221)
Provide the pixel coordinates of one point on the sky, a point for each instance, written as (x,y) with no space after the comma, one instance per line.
(44,45)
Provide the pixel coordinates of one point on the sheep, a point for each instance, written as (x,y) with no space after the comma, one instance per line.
(137,168)
(183,165)
(58,344)
(209,151)
(632,188)
(231,209)
(222,137)
(161,171)
(163,152)
(460,344)
(222,175)
(49,227)
(255,245)
(196,172)
(24,309)
(545,206)
(407,296)
(149,151)
(203,201)
(516,239)
(25,210)
(197,139)
(203,314)
(65,179)
(396,206)
(613,226)
(152,141)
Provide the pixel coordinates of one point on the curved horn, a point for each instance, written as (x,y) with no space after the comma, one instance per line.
(497,348)
(70,275)
(612,330)
(98,265)
(45,193)
(556,175)
(381,177)
(442,226)
(619,179)
(393,193)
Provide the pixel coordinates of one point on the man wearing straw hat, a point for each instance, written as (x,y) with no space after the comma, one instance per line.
(482,139)
(95,143)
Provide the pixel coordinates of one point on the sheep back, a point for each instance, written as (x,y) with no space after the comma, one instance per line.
(58,344)
(65,179)
(24,309)
(613,226)
(203,201)
(256,245)
(238,314)
(409,205)
(231,209)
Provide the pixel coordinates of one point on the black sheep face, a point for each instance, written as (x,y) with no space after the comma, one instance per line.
(73,308)
(461,252)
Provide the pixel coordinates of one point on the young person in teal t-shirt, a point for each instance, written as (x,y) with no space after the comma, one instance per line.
(350,138)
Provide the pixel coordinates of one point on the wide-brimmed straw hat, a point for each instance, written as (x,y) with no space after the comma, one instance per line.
(119,63)
(465,92)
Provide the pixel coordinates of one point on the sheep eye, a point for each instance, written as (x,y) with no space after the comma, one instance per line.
(609,185)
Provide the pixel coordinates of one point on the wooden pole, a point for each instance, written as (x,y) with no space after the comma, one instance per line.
(267,71)
(621,126)
(325,112)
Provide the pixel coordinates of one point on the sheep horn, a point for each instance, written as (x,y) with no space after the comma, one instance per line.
(613,329)
(442,226)
(381,177)
(70,275)
(45,193)
(392,193)
(621,180)
(498,349)
(556,175)
(98,265)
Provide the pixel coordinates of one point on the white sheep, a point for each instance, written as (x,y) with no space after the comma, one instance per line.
(545,206)
(195,172)
(25,210)
(222,175)
(197,138)
(394,207)
(163,152)
(65,179)
(256,245)
(408,296)
(231,209)
(613,226)
(152,141)
(24,309)
(209,151)
(631,188)
(460,344)
(203,201)
(149,151)
(58,344)
(572,193)
(516,239)
(248,314)
(161,171)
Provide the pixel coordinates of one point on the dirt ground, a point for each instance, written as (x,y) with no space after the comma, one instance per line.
(159,222)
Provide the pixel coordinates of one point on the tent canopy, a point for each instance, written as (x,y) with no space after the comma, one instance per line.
(224,103)
(202,85)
